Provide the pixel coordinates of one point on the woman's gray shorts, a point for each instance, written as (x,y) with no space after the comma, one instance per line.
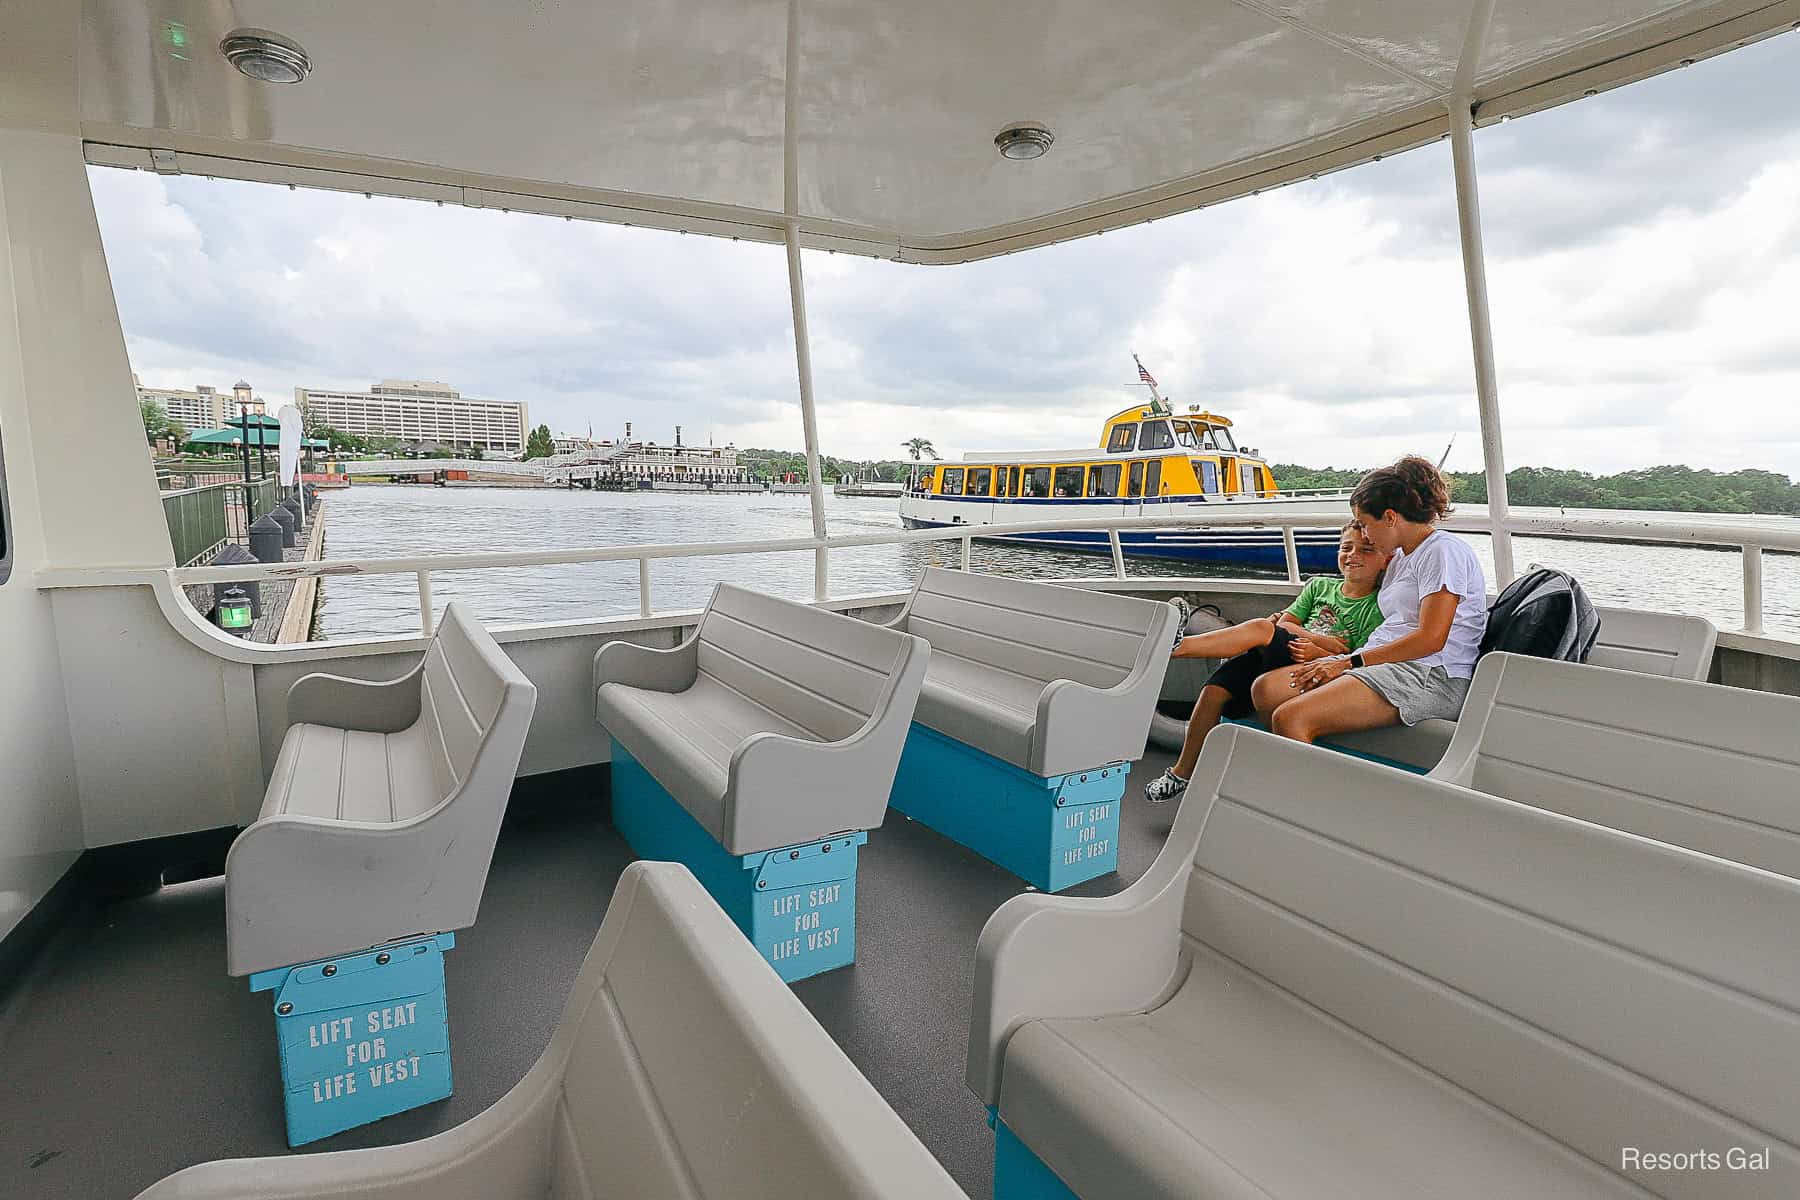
(1420,693)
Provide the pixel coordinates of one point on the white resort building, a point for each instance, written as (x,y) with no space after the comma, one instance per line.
(415,410)
(203,408)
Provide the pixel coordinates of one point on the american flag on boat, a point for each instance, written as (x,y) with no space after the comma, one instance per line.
(1144,375)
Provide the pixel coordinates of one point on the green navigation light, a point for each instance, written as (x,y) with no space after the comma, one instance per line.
(234,611)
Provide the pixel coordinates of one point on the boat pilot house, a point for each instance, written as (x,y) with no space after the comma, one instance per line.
(789,885)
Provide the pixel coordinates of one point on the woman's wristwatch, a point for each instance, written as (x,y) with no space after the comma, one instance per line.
(1355,661)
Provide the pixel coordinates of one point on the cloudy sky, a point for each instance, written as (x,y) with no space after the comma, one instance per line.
(1644,266)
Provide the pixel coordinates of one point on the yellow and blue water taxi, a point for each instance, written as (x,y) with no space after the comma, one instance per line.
(1151,461)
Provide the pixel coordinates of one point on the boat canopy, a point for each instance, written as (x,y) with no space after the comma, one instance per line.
(871,128)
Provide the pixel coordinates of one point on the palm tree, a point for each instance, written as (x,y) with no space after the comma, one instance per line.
(920,448)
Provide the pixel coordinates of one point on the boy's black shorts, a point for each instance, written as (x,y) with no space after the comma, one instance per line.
(1236,675)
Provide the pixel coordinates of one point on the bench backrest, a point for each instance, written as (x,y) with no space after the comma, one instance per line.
(467,680)
(1607,990)
(1653,643)
(824,671)
(1701,765)
(692,1070)
(1039,630)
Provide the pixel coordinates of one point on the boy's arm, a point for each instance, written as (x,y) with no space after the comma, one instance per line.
(1301,610)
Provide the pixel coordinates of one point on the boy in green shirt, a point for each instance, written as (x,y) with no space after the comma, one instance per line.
(1331,615)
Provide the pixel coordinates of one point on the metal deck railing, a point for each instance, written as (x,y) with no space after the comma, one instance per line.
(1750,540)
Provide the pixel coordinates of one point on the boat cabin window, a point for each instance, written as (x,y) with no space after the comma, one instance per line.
(1247,473)
(1156,436)
(1007,479)
(1207,471)
(1104,481)
(1124,437)
(1222,438)
(5,538)
(1153,484)
(1035,483)
(980,482)
(1134,485)
(1184,435)
(1068,482)
(953,479)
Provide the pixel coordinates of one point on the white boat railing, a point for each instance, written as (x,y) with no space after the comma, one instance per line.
(1749,540)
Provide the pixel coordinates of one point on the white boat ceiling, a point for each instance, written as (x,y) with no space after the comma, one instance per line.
(675,114)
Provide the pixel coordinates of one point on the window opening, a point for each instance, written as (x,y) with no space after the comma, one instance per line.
(1068,482)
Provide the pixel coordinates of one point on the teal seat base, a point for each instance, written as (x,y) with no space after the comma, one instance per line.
(796,904)
(1018,1173)
(1052,831)
(362,1036)
(1252,723)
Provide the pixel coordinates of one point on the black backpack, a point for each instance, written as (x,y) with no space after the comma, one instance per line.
(1543,613)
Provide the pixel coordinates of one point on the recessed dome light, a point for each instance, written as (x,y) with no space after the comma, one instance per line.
(266,57)
(1024,141)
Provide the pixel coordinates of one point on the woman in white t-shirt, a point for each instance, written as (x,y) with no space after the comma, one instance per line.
(1418,663)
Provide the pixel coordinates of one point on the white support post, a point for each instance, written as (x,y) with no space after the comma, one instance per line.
(797,290)
(967,543)
(425,603)
(1291,553)
(643,587)
(1118,553)
(1753,579)
(822,573)
(1481,332)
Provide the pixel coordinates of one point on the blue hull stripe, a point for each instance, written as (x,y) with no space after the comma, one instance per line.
(1316,548)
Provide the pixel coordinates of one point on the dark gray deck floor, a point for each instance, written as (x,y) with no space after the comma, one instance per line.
(127,1052)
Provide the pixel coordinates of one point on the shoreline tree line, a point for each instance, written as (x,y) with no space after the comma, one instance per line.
(1669,488)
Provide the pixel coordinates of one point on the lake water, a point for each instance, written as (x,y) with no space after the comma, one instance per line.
(375,520)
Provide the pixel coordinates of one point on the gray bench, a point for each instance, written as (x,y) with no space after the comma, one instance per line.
(1647,643)
(380,817)
(681,1067)
(1711,768)
(759,752)
(1340,980)
(1037,699)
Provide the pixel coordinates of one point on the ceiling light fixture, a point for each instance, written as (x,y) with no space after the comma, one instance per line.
(1022,142)
(266,57)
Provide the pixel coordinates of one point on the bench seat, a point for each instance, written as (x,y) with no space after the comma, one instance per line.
(758,753)
(1037,699)
(1236,1089)
(686,739)
(1701,765)
(992,709)
(383,806)
(1631,639)
(1339,980)
(353,775)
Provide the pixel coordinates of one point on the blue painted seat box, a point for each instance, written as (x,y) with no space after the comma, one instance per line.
(1019,1174)
(796,904)
(361,1037)
(1051,831)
